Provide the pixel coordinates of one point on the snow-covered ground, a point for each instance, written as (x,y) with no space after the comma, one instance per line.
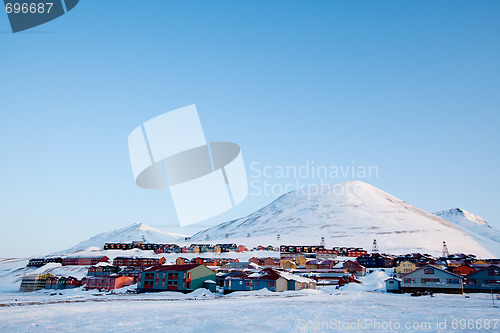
(322,310)
(353,308)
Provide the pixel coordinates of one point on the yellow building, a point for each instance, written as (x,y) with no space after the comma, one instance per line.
(34,282)
(287,264)
(300,261)
(217,249)
(405,267)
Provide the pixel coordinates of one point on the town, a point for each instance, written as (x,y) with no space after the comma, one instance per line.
(291,268)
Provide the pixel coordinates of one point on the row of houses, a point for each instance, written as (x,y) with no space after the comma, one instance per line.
(337,251)
(80,261)
(211,262)
(430,278)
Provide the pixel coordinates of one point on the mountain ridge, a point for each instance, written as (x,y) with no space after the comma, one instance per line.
(347,214)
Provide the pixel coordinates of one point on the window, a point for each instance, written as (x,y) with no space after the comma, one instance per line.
(429,271)
(472,281)
(248,283)
(172,283)
(428,280)
(493,271)
(452,281)
(409,281)
(492,281)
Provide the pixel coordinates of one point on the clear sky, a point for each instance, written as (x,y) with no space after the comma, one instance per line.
(412,87)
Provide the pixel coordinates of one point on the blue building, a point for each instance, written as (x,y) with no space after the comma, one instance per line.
(484,280)
(432,279)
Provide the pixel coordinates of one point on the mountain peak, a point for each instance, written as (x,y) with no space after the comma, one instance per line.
(134,232)
(351,214)
(461,216)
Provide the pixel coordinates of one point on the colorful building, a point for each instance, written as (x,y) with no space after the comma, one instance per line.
(108,282)
(432,279)
(184,278)
(484,280)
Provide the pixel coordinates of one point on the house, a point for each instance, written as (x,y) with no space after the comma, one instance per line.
(271,262)
(102,270)
(256,261)
(108,282)
(241,248)
(326,264)
(182,261)
(326,254)
(405,267)
(133,272)
(300,261)
(463,269)
(287,264)
(484,280)
(62,282)
(36,262)
(357,252)
(432,279)
(217,249)
(376,260)
(138,261)
(34,282)
(83,261)
(267,278)
(354,268)
(312,264)
(330,277)
(393,285)
(184,278)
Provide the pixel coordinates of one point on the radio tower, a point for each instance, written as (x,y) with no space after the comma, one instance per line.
(375,246)
(445,252)
(322,242)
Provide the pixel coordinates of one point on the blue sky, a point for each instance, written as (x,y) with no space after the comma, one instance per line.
(412,87)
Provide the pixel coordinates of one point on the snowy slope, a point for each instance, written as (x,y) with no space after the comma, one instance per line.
(134,232)
(474,225)
(346,214)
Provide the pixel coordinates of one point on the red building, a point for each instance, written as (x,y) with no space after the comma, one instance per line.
(256,261)
(84,261)
(241,248)
(138,261)
(356,252)
(182,261)
(354,268)
(108,282)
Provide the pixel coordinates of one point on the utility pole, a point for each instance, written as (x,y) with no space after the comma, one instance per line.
(375,246)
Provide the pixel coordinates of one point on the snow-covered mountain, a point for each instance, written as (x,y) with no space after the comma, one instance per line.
(348,214)
(474,225)
(134,232)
